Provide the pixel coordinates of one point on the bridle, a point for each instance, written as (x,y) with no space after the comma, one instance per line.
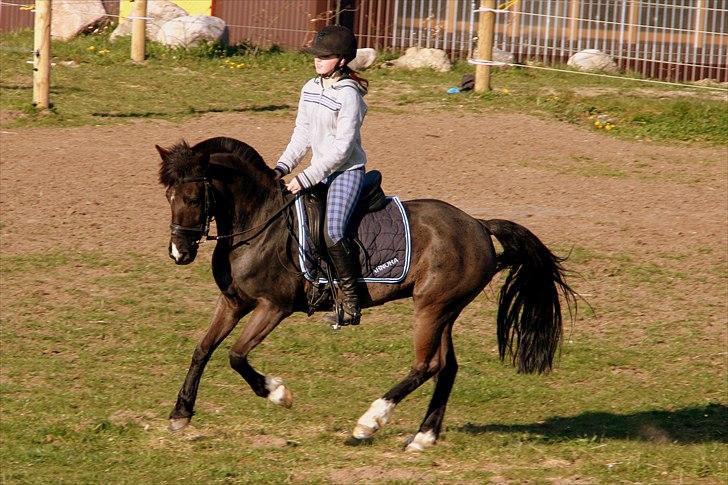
(203,228)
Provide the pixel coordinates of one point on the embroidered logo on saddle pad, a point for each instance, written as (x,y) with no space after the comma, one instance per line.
(383,240)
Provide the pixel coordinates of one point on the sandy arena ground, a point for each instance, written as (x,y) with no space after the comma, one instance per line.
(95,188)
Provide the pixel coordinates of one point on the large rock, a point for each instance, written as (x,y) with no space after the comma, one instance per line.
(70,18)
(499,56)
(503,56)
(365,57)
(423,57)
(191,30)
(593,60)
(160,11)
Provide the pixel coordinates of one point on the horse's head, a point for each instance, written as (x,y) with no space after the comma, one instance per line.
(188,173)
(183,173)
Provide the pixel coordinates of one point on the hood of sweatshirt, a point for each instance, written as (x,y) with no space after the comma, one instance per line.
(342,83)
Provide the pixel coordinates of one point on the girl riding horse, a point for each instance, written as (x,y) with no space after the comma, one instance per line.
(330,114)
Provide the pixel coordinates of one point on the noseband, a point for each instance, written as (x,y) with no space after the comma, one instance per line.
(203,228)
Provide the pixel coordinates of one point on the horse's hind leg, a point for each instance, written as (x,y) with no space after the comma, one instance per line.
(264,319)
(227,314)
(430,325)
(432,424)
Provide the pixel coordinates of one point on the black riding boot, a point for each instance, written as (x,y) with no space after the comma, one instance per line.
(346,269)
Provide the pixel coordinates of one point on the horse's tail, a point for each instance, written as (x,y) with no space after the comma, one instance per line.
(529,309)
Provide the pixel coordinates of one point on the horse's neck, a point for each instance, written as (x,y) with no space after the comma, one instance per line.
(245,195)
(242,208)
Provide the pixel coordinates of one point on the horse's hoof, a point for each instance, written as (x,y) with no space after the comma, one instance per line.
(363,432)
(177,424)
(281,396)
(420,442)
(376,416)
(354,441)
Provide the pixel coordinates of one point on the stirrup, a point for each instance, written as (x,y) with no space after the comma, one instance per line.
(342,318)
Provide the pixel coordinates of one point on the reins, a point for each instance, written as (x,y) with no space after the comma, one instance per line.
(257,230)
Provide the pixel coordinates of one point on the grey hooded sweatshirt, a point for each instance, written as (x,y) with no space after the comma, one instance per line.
(329,121)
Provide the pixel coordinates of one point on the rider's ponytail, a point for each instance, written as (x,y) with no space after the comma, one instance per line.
(347,72)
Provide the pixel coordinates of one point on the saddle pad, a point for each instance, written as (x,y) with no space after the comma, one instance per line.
(385,248)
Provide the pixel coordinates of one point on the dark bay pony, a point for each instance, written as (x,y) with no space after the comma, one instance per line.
(453,259)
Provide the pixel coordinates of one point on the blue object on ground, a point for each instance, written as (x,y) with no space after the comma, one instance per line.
(453,90)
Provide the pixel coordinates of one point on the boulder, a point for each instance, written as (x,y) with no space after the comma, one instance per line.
(69,18)
(593,60)
(365,57)
(423,57)
(499,56)
(190,30)
(160,11)
(503,56)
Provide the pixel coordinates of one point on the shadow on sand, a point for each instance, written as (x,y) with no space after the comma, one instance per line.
(147,114)
(683,426)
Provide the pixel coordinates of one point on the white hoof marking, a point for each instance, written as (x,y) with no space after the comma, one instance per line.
(376,416)
(422,441)
(278,393)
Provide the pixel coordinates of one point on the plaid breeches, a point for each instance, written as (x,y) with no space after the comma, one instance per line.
(344,191)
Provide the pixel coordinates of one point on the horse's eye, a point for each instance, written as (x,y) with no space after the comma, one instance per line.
(192,200)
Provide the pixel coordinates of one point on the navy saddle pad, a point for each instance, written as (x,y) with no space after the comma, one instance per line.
(384,241)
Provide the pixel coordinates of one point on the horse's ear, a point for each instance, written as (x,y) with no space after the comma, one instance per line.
(162,152)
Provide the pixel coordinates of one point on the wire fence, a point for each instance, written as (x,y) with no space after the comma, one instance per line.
(669,40)
(672,40)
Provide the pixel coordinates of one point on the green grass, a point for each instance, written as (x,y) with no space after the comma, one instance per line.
(103,86)
(95,345)
(91,365)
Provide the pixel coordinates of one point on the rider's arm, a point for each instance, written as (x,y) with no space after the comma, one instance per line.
(300,141)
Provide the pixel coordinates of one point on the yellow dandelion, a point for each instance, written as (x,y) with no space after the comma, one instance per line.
(598,124)
(609,126)
(241,65)
(91,48)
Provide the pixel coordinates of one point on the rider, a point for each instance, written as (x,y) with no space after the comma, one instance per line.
(330,114)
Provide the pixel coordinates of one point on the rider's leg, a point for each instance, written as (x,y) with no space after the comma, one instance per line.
(344,190)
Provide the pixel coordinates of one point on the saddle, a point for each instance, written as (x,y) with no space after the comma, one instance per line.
(372,199)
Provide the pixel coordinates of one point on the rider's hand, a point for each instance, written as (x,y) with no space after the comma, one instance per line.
(294,186)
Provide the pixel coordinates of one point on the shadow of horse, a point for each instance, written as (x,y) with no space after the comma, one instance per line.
(684,426)
(190,110)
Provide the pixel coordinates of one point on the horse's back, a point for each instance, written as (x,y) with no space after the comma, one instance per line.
(450,248)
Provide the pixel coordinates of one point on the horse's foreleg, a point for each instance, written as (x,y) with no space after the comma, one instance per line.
(227,314)
(432,424)
(264,319)
(429,327)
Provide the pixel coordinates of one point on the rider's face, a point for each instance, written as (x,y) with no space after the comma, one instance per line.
(325,65)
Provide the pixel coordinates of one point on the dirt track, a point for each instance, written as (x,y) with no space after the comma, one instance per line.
(96,188)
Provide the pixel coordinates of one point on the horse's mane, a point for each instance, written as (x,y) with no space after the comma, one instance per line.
(183,161)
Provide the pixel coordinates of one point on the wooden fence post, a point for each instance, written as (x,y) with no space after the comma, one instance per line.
(139,31)
(486,29)
(42,54)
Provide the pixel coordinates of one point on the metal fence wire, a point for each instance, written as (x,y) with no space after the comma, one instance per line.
(670,40)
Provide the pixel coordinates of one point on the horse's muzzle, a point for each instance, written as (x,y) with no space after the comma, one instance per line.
(182,255)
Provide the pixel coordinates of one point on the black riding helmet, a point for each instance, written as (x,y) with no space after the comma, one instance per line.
(334,40)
